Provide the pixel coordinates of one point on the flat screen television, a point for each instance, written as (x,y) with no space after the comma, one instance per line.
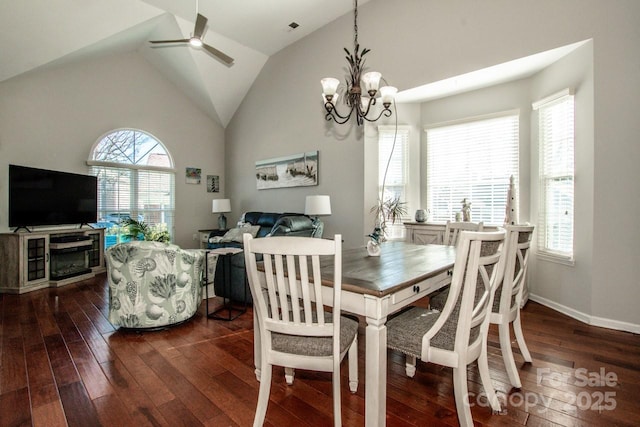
(46,197)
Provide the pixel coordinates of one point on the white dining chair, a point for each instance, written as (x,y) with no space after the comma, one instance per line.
(452,231)
(457,335)
(295,330)
(508,298)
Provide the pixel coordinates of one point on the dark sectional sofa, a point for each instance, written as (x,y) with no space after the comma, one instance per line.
(271,224)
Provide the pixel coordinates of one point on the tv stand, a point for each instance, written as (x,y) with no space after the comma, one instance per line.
(21,227)
(39,259)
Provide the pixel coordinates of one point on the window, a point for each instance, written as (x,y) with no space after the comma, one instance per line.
(472,160)
(393,146)
(556,163)
(135,180)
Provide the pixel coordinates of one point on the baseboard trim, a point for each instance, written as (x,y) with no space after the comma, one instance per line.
(585,318)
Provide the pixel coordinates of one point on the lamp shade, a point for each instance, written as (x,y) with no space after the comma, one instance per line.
(221,205)
(317,205)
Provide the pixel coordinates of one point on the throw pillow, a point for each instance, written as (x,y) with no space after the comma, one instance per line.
(235,234)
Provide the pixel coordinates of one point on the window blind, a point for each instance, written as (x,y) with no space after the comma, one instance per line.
(135,193)
(474,160)
(556,172)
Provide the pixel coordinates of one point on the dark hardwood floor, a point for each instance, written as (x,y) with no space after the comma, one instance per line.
(62,363)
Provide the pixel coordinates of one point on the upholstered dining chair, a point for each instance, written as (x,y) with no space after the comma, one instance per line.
(508,297)
(452,231)
(295,330)
(457,335)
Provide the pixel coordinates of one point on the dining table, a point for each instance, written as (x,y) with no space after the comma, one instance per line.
(375,287)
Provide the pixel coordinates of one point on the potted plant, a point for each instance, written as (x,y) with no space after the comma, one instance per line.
(140,230)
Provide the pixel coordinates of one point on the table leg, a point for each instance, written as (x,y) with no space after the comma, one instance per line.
(376,366)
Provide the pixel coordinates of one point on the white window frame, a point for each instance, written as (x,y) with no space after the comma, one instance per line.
(398,173)
(556,143)
(465,159)
(133,172)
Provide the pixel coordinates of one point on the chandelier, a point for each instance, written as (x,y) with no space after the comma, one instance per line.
(359,103)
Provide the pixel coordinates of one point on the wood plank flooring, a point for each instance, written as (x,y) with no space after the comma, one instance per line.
(62,363)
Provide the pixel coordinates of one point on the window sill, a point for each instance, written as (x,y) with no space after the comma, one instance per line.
(558,259)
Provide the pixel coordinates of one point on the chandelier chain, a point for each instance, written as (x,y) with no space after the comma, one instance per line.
(355,25)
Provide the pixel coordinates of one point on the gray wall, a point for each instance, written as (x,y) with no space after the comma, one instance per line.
(50,119)
(415,42)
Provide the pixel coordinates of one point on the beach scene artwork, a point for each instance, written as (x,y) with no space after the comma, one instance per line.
(298,170)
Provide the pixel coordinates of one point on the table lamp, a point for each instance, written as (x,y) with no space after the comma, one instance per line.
(221,206)
(316,206)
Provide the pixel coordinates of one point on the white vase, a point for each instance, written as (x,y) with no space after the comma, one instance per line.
(373,248)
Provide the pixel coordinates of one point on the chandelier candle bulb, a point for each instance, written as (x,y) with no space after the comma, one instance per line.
(388,94)
(329,86)
(371,81)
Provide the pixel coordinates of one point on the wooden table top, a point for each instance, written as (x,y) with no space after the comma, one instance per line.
(399,265)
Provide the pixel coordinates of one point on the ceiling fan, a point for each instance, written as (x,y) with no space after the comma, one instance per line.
(196,41)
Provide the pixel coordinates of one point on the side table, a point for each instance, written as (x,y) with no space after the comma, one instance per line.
(227,306)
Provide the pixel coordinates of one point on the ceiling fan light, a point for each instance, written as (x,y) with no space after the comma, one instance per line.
(195,42)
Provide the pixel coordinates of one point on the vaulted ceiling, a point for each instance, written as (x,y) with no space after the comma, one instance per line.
(35,34)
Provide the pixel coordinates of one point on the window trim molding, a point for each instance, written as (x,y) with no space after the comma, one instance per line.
(496,115)
(542,252)
(129,166)
(552,98)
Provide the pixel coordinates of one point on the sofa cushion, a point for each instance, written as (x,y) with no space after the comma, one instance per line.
(298,225)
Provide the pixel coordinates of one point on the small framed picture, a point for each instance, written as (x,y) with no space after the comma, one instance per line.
(193,175)
(213,184)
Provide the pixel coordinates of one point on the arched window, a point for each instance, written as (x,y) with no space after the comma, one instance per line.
(136,180)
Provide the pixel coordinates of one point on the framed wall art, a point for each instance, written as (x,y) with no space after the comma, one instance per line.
(297,170)
(213,184)
(193,175)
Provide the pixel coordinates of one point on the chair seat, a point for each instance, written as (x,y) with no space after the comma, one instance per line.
(405,331)
(316,346)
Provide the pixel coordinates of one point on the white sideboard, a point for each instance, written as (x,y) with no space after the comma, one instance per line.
(423,233)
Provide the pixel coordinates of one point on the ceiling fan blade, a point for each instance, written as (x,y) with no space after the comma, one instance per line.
(221,56)
(169,41)
(201,22)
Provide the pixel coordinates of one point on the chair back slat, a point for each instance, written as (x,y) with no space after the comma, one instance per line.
(517,261)
(452,231)
(291,299)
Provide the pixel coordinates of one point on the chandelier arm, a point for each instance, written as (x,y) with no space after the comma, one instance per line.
(386,112)
(331,109)
(332,114)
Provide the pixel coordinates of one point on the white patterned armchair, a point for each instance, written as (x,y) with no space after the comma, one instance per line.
(153,285)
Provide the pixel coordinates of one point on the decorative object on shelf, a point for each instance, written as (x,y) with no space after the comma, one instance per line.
(466,210)
(193,175)
(373,245)
(358,103)
(221,206)
(316,206)
(511,210)
(421,215)
(458,216)
(213,184)
(297,170)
